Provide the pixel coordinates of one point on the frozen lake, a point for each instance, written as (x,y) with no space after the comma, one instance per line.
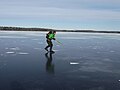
(84,61)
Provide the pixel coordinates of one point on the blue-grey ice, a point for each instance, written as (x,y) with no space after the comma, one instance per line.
(84,61)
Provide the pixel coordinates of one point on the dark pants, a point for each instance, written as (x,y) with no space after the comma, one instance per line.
(49,42)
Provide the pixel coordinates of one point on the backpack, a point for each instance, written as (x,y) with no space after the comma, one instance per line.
(47,35)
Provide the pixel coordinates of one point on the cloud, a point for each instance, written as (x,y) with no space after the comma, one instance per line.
(58,13)
(69,4)
(61,10)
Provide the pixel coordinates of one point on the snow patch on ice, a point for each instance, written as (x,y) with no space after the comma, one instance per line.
(112,51)
(10,52)
(40,42)
(23,53)
(15,48)
(35,34)
(12,48)
(74,63)
(57,45)
(12,37)
(35,39)
(73,38)
(55,50)
(37,48)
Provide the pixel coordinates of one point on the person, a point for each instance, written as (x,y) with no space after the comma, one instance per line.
(50,36)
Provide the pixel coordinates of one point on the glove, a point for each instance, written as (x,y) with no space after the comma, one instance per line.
(54,39)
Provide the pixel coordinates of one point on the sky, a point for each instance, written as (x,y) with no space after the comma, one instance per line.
(61,14)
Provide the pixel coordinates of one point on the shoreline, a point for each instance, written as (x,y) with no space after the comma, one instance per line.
(46,29)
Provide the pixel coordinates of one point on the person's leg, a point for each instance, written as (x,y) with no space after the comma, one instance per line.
(46,48)
(51,45)
(48,42)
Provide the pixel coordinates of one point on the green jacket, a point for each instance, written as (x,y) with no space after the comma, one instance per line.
(51,36)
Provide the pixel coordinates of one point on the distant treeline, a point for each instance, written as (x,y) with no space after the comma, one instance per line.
(3,28)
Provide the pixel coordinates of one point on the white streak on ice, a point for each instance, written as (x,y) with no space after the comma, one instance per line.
(112,51)
(15,48)
(57,45)
(22,53)
(37,48)
(10,52)
(35,39)
(12,37)
(40,42)
(55,50)
(73,38)
(74,63)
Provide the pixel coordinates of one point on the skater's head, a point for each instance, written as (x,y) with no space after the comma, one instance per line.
(54,32)
(50,32)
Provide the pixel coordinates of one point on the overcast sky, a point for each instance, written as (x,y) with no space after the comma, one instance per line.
(61,14)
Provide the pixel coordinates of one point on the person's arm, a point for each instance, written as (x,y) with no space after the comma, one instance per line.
(53,37)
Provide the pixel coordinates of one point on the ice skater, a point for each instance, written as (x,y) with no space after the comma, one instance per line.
(50,36)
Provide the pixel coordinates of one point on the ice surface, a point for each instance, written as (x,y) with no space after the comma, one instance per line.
(84,61)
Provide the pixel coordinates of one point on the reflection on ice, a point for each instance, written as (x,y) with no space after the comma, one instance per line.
(49,63)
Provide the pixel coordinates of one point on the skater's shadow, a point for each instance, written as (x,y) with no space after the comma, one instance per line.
(49,64)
